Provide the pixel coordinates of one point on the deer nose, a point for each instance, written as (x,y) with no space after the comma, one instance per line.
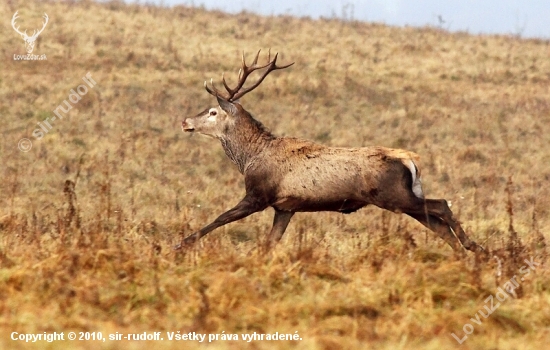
(186,127)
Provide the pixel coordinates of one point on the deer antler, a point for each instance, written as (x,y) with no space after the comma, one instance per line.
(13,19)
(244,72)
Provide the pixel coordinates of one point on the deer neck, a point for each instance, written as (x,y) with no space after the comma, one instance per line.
(245,140)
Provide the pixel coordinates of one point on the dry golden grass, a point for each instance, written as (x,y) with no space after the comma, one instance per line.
(89,215)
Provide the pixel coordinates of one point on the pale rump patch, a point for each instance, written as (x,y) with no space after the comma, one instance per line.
(409,159)
(416,181)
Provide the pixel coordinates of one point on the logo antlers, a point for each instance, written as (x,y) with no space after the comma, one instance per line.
(29,40)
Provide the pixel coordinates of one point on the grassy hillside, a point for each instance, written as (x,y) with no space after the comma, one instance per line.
(89,214)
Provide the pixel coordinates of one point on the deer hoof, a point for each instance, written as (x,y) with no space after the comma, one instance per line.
(186,243)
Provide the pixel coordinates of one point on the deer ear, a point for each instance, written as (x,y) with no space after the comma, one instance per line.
(227,106)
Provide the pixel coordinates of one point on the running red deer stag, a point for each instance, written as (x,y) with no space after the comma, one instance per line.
(294,175)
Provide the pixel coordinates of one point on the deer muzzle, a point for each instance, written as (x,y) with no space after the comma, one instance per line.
(186,127)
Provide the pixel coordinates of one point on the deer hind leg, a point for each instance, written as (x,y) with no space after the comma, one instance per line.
(440,209)
(438,226)
(280,223)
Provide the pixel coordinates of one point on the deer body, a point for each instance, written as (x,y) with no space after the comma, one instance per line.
(295,175)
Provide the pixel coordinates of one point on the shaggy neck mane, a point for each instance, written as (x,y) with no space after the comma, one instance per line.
(245,139)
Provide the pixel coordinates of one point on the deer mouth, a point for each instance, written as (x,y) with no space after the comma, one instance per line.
(186,127)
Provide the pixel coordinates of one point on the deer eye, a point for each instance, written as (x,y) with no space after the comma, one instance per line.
(213,113)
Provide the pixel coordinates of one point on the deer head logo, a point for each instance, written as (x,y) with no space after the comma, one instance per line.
(29,40)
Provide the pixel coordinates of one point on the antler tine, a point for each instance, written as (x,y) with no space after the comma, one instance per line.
(280,67)
(218,93)
(210,91)
(285,66)
(225,83)
(213,91)
(256,58)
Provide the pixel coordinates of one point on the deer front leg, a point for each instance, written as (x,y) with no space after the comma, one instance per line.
(245,207)
(280,223)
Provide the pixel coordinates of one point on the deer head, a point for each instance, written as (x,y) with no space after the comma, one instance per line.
(29,40)
(217,120)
